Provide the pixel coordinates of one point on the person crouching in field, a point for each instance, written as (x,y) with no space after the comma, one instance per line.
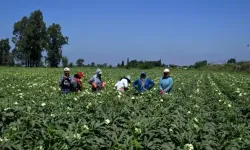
(166,82)
(78,79)
(143,84)
(96,81)
(122,85)
(66,82)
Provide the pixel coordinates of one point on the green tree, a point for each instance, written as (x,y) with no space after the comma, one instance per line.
(4,51)
(55,42)
(122,64)
(92,64)
(80,62)
(200,64)
(30,38)
(65,61)
(231,61)
(71,64)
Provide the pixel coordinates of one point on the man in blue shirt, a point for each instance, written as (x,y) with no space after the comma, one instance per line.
(143,84)
(166,83)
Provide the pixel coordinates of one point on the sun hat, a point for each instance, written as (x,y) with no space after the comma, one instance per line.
(66,69)
(128,77)
(166,71)
(99,71)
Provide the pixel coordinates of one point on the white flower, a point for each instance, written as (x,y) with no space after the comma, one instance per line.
(196,126)
(1,140)
(196,106)
(171,130)
(15,103)
(219,93)
(69,108)
(161,100)
(5,109)
(43,104)
(188,112)
(53,115)
(75,99)
(196,120)
(107,121)
(188,147)
(86,127)
(229,105)
(99,94)
(240,94)
(54,88)
(67,113)
(41,147)
(133,97)
(220,100)
(179,88)
(119,96)
(77,136)
(245,94)
(198,90)
(137,130)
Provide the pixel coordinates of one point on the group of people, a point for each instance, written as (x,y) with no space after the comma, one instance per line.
(69,84)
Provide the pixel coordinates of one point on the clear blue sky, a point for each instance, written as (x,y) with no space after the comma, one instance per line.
(181,31)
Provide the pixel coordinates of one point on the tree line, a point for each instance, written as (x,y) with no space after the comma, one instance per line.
(31,37)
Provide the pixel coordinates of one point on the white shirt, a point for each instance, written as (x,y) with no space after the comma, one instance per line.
(121,84)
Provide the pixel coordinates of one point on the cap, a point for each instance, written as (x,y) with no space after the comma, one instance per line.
(166,71)
(143,73)
(66,69)
(99,71)
(128,77)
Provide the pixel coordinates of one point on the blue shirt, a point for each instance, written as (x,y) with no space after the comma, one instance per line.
(143,86)
(166,84)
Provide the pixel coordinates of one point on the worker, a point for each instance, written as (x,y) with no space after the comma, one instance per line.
(122,84)
(78,79)
(166,82)
(96,81)
(143,84)
(66,82)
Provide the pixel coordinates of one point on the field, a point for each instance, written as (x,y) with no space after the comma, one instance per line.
(206,110)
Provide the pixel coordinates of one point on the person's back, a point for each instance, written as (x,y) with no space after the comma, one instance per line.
(143,84)
(96,81)
(78,79)
(122,85)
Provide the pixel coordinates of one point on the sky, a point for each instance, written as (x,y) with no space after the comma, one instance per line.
(108,31)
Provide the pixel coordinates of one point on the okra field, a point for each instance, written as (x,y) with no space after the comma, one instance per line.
(206,110)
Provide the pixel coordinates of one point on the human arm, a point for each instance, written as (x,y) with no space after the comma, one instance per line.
(91,82)
(60,81)
(135,83)
(169,85)
(151,84)
(159,86)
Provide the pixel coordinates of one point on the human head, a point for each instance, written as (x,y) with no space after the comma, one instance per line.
(128,78)
(143,75)
(80,74)
(66,71)
(99,72)
(166,72)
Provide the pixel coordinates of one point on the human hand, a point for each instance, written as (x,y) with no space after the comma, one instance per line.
(162,92)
